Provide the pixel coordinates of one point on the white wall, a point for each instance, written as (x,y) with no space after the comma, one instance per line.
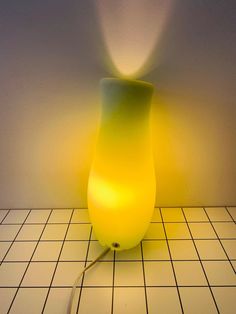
(51,59)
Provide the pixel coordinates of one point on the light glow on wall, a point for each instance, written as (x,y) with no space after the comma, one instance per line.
(131,30)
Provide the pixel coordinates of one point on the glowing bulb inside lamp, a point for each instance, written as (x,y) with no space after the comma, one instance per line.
(121,188)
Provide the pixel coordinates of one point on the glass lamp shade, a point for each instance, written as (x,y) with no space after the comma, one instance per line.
(121,187)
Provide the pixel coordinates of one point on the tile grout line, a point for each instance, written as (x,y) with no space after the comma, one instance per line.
(57,262)
(144,278)
(28,262)
(159,206)
(88,223)
(127,286)
(144,240)
(85,263)
(172,265)
(208,283)
(220,241)
(123,261)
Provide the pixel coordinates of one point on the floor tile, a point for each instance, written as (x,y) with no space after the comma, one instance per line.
(39,274)
(131,254)
(156,217)
(6,297)
(230,248)
(129,300)
(155,250)
(189,273)
(3,214)
(8,232)
(67,272)
(202,230)
(194,214)
(30,232)
(155,231)
(101,301)
(197,300)
(16,216)
(74,251)
(38,216)
(177,231)
(100,275)
(234,265)
(58,301)
(54,232)
(93,235)
(60,216)
(220,273)
(21,251)
(182,250)
(232,211)
(225,230)
(4,246)
(29,301)
(128,274)
(95,249)
(78,232)
(225,299)
(163,300)
(172,215)
(47,251)
(218,214)
(159,274)
(80,216)
(11,274)
(210,249)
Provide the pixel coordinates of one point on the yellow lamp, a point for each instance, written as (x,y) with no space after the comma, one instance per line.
(121,187)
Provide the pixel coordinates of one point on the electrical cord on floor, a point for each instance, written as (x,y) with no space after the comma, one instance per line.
(72,296)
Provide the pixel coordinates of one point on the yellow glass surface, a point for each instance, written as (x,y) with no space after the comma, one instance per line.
(121,188)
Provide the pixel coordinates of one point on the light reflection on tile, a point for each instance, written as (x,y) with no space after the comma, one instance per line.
(172,215)
(177,231)
(182,250)
(155,250)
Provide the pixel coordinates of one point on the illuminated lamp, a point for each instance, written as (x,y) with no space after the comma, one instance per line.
(121,187)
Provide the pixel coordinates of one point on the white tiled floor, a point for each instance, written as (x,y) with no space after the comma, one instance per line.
(185,264)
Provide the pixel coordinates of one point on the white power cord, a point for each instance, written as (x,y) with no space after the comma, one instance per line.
(71,309)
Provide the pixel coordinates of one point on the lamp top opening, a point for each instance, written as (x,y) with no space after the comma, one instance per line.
(125,82)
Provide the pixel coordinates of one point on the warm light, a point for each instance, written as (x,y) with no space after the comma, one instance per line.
(131,30)
(121,190)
